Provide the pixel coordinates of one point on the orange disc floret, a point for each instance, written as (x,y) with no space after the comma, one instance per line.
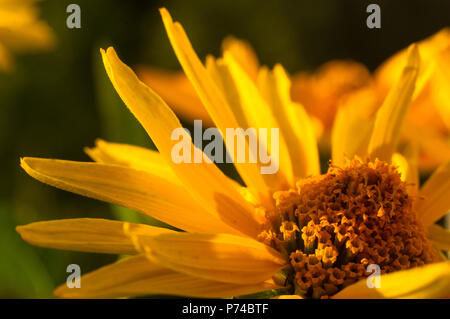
(331,227)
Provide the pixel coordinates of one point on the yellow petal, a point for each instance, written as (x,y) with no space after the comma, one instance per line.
(137,276)
(434,147)
(295,124)
(390,116)
(400,161)
(408,167)
(439,236)
(177,91)
(221,257)
(136,157)
(440,85)
(208,92)
(206,183)
(239,277)
(352,117)
(243,53)
(138,190)
(430,281)
(86,234)
(436,196)
(212,98)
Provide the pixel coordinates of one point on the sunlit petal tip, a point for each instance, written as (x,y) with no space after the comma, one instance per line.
(109,57)
(413,56)
(27,164)
(278,68)
(165,14)
(20,229)
(90,151)
(111,52)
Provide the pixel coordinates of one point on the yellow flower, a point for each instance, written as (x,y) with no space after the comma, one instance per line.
(296,232)
(21,30)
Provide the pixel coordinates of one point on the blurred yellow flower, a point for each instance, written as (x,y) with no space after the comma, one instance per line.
(21,30)
(296,232)
(349,84)
(321,91)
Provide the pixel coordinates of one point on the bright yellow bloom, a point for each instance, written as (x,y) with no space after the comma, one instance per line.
(296,231)
(21,30)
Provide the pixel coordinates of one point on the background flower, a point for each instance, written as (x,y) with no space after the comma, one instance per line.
(21,30)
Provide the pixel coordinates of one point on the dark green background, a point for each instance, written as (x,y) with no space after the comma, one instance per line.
(56,103)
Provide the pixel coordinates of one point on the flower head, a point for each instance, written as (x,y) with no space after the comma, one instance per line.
(343,221)
(294,232)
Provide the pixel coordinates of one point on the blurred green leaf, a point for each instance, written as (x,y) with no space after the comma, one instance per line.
(22,273)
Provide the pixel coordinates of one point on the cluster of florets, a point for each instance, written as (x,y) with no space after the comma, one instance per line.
(333,226)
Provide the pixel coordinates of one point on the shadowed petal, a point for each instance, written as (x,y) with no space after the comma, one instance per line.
(431,281)
(220,257)
(440,237)
(137,276)
(86,234)
(435,196)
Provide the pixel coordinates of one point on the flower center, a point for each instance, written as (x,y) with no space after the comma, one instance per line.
(333,226)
